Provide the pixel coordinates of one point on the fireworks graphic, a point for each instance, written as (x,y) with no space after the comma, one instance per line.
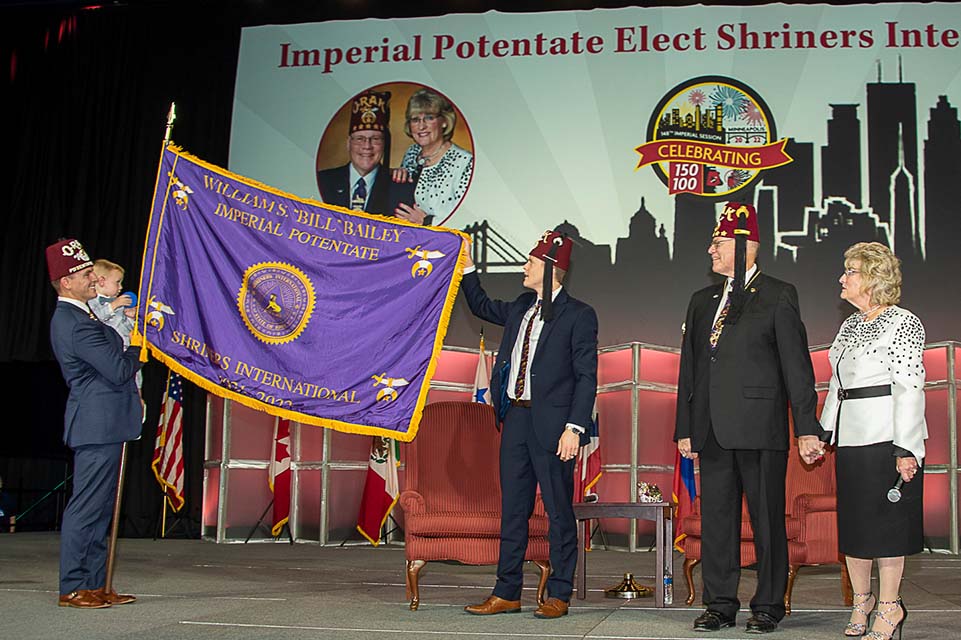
(696,97)
(733,101)
(752,114)
(736,177)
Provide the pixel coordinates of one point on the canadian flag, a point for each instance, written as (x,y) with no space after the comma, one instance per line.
(280,475)
(380,488)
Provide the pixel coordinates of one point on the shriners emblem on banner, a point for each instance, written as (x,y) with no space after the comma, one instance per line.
(388,393)
(276,301)
(422,267)
(181,192)
(157,314)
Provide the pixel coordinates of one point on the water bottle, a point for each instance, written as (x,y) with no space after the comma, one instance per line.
(668,589)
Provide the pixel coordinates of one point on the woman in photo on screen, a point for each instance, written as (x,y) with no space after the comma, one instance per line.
(441,169)
(874,414)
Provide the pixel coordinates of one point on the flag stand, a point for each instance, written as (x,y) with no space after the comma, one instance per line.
(260,523)
(180,519)
(384,531)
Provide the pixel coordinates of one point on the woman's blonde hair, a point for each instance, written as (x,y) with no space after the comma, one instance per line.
(880,271)
(427,101)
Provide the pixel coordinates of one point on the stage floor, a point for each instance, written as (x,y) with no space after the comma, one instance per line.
(199,590)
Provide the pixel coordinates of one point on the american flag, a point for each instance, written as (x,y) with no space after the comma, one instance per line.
(168,455)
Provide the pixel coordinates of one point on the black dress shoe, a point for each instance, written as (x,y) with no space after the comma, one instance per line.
(712,621)
(761,622)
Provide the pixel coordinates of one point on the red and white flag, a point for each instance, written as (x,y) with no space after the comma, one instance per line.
(380,488)
(279,477)
(168,455)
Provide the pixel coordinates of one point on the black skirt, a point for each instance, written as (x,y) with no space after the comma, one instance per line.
(869,525)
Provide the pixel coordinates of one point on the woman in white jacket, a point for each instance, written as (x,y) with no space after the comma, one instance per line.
(874,412)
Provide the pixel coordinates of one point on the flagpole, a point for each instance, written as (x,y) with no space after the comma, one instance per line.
(115,526)
(112,547)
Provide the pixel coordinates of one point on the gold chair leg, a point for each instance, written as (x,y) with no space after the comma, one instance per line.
(847,591)
(413,591)
(791,575)
(689,564)
(545,567)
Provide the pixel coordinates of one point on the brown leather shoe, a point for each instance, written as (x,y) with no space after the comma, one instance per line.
(82,599)
(114,598)
(553,608)
(494,605)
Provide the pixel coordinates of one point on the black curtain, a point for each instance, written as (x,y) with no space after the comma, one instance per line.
(86,97)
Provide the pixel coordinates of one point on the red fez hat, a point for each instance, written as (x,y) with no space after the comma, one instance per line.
(737,218)
(65,258)
(370,111)
(555,248)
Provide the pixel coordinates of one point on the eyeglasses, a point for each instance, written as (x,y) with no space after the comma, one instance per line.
(361,141)
(717,242)
(427,118)
(850,272)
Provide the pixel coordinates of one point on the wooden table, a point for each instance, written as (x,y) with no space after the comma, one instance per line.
(659,512)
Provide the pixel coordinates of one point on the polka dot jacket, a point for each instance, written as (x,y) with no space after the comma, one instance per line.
(887,350)
(440,186)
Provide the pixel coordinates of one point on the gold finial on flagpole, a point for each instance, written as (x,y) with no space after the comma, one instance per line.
(171,116)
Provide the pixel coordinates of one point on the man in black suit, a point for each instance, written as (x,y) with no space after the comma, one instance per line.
(364,183)
(103,411)
(744,356)
(543,385)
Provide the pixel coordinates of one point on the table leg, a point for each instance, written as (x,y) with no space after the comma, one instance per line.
(583,530)
(659,574)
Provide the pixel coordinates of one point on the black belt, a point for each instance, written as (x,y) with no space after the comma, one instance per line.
(858,393)
(521,403)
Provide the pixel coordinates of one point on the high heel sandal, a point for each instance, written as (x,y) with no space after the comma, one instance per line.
(882,614)
(857,629)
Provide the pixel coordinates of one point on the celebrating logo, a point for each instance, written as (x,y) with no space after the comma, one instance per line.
(710,136)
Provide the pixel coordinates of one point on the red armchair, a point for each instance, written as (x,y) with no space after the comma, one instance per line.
(811,523)
(452,498)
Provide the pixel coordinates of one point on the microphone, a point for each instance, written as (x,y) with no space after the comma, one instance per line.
(894,493)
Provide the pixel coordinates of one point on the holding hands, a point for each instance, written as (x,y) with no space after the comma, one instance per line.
(810,448)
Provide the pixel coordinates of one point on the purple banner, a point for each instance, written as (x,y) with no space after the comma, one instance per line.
(293,307)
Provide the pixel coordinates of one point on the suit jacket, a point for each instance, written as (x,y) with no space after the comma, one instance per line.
(103,406)
(563,367)
(385,194)
(761,363)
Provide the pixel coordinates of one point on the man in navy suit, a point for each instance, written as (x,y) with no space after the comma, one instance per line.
(364,183)
(543,385)
(744,356)
(103,411)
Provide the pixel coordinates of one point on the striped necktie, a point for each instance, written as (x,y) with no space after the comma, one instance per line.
(521,381)
(359,199)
